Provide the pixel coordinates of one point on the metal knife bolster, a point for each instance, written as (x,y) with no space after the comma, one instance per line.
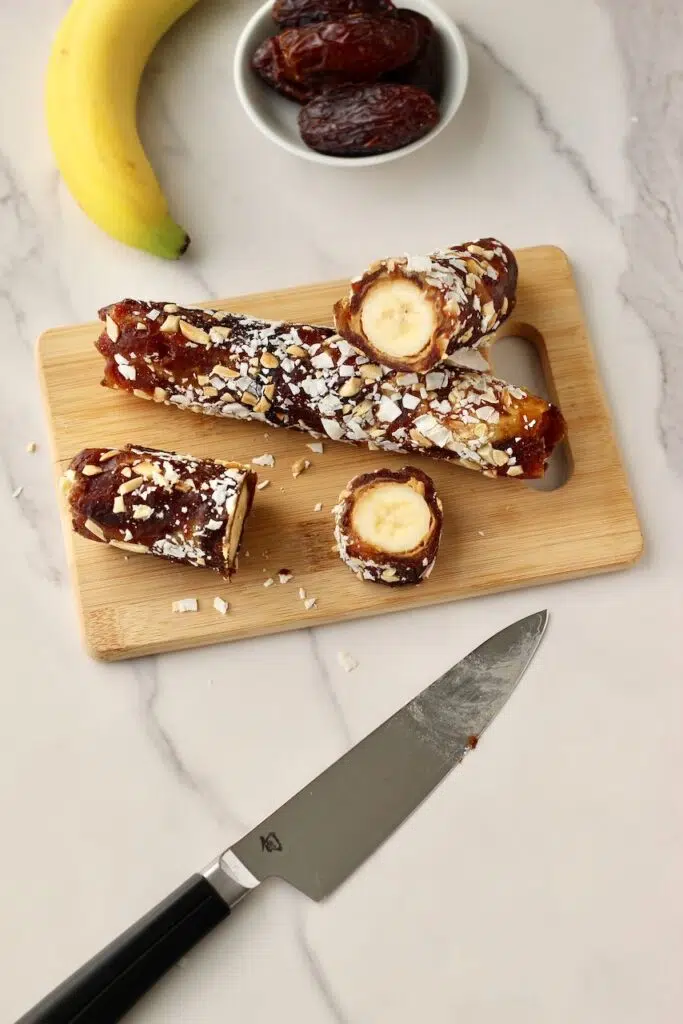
(230,878)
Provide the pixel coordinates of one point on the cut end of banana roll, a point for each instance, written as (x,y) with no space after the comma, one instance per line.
(388,525)
(394,322)
(410,313)
(147,501)
(235,523)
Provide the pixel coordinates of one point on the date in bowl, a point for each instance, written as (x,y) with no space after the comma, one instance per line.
(277,117)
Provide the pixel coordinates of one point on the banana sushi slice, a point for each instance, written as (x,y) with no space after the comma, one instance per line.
(410,313)
(388,525)
(159,503)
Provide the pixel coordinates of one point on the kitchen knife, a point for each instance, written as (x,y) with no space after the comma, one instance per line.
(316,839)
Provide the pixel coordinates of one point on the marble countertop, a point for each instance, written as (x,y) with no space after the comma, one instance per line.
(541,882)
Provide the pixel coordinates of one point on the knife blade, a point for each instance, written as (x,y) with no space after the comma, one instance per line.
(317,838)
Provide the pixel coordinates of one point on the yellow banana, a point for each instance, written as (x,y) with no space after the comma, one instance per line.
(93,76)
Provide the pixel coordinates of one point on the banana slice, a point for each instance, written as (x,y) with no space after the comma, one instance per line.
(388,525)
(397,319)
(412,312)
(391,517)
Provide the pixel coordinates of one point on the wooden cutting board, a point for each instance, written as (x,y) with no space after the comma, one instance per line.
(498,534)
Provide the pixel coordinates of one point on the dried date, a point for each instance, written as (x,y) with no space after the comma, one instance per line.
(295,13)
(422,23)
(270,66)
(425,71)
(301,62)
(367,119)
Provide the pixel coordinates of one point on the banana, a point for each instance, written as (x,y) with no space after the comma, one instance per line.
(388,525)
(397,319)
(93,76)
(391,517)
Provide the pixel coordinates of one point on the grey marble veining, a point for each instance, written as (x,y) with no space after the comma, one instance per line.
(318,974)
(557,141)
(147,676)
(327,684)
(650,37)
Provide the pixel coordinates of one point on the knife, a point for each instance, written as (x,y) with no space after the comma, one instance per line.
(316,839)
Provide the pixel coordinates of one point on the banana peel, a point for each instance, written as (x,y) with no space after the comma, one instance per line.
(93,77)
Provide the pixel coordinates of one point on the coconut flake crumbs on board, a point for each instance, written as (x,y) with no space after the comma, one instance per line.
(316,447)
(310,603)
(318,507)
(263,460)
(284,576)
(302,594)
(299,467)
(261,486)
(347,661)
(186,604)
(220,605)
(269,582)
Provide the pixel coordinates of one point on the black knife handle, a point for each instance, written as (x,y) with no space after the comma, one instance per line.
(106,987)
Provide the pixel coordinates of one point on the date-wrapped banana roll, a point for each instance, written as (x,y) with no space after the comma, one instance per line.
(388,525)
(308,378)
(411,312)
(159,503)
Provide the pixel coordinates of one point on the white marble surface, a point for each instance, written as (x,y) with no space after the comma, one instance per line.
(542,881)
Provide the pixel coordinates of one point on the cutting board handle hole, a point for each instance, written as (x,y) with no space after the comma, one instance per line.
(519,356)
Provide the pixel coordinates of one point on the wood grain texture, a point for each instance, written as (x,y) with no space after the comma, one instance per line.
(587,526)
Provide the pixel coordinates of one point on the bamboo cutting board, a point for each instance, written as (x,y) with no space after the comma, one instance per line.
(498,534)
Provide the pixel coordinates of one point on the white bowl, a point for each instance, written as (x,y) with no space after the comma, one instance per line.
(277,117)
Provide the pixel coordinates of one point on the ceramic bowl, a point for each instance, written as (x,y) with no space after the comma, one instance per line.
(276,116)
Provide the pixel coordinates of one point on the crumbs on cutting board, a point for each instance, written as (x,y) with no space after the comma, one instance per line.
(308,602)
(299,467)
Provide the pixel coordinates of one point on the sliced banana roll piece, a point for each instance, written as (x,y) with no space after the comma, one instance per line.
(155,502)
(412,312)
(388,525)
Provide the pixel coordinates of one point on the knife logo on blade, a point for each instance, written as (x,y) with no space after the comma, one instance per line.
(271,843)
